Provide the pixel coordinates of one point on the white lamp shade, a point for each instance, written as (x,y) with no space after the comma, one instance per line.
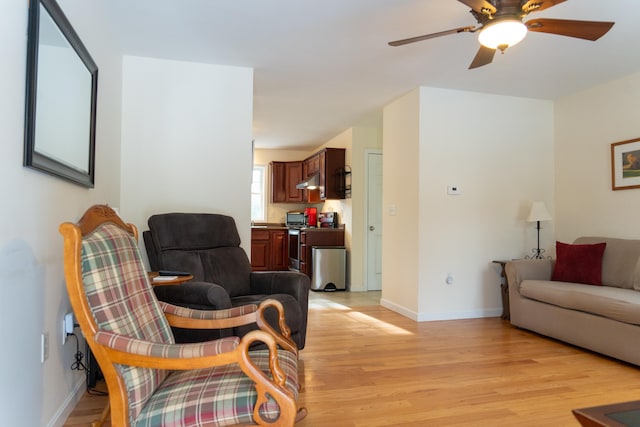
(538,212)
(505,32)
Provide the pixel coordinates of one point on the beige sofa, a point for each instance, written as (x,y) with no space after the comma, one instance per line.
(605,319)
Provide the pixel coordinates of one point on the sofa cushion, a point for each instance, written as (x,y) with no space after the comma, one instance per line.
(581,263)
(620,263)
(614,303)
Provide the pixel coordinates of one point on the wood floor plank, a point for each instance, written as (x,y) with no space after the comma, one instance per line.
(366,366)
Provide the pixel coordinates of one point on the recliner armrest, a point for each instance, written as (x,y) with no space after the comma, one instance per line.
(195,295)
(281,282)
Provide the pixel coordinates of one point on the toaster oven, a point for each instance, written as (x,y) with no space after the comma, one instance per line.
(295,220)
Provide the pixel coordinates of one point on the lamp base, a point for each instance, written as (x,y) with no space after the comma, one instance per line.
(537,254)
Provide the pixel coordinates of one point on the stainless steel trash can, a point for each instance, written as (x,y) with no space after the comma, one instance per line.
(329,268)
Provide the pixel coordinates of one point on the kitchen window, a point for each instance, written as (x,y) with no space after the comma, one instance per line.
(258,194)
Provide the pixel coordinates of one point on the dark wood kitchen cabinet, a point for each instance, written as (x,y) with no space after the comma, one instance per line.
(284,178)
(317,237)
(269,249)
(329,163)
(311,166)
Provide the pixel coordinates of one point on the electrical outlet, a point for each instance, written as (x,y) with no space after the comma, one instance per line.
(44,346)
(67,326)
(454,190)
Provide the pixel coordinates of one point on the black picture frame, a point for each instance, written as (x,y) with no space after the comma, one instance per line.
(60,107)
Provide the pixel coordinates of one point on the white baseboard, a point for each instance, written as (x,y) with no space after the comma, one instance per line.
(458,315)
(449,315)
(399,309)
(69,404)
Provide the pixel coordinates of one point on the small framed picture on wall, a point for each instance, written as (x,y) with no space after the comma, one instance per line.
(625,164)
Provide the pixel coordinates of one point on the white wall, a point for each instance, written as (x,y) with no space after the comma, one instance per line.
(400,195)
(34,297)
(366,135)
(499,151)
(186,140)
(587,123)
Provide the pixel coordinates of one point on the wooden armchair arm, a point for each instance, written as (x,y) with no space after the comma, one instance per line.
(267,388)
(145,354)
(187,318)
(135,352)
(282,339)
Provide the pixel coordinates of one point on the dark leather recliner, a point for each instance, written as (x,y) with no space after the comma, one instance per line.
(208,246)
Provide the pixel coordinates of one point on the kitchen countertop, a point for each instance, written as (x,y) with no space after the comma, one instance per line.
(341,228)
(284,227)
(273,226)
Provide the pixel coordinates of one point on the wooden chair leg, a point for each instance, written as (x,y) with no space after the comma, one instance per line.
(103,417)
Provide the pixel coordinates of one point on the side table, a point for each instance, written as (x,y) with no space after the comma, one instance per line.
(175,280)
(504,287)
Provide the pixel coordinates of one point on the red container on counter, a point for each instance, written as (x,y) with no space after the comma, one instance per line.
(311,214)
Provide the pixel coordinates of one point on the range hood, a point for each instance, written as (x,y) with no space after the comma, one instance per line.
(310,183)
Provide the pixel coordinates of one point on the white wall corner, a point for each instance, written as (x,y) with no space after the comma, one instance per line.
(459,315)
(448,315)
(399,309)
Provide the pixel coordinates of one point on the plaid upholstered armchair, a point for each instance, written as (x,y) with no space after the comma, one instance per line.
(151,380)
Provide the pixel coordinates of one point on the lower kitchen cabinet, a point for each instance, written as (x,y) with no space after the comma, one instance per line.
(317,237)
(269,249)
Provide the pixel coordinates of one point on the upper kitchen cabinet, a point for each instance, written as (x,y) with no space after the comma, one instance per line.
(331,169)
(327,169)
(311,166)
(284,178)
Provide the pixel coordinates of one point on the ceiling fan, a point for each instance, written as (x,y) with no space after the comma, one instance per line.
(501,26)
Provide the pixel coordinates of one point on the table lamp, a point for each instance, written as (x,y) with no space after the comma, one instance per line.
(538,213)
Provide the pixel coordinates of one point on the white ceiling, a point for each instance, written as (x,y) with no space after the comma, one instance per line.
(322,66)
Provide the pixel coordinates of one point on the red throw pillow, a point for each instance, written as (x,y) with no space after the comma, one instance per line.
(579,263)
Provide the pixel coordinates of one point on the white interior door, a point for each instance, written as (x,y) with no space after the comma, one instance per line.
(373,221)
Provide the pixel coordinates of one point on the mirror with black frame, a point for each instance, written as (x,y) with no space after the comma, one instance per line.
(61,90)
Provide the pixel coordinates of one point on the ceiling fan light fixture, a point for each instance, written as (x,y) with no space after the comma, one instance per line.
(503,33)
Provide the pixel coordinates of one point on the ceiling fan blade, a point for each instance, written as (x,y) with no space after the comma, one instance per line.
(431,36)
(480,6)
(483,57)
(588,30)
(538,5)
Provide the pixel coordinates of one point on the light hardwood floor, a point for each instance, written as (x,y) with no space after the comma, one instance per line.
(366,366)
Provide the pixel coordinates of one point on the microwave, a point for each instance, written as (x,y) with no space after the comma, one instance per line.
(295,219)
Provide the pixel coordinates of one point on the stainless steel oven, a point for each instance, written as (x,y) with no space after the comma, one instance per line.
(294,249)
